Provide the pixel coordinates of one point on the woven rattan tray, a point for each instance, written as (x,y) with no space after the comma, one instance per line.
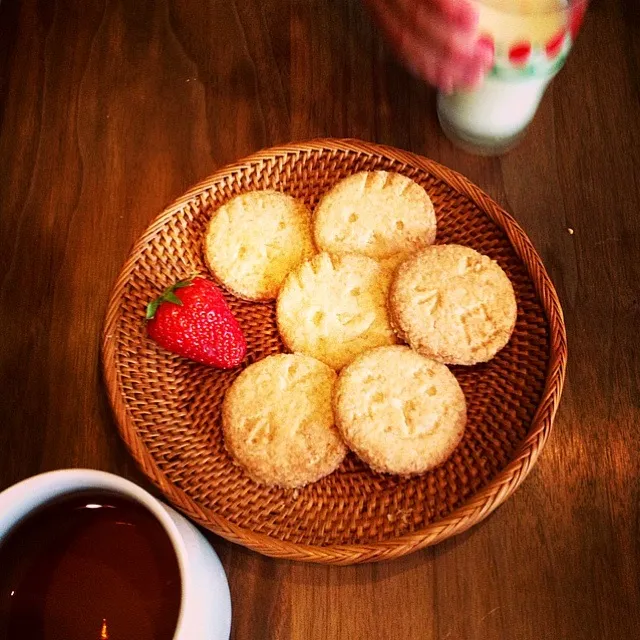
(168,409)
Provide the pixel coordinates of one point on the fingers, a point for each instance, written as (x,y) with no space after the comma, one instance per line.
(462,14)
(447,25)
(435,39)
(420,56)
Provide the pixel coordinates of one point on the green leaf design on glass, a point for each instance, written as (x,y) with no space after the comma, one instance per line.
(538,66)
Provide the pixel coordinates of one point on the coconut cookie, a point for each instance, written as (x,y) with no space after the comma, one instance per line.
(334,308)
(278,421)
(383,215)
(254,240)
(399,411)
(453,304)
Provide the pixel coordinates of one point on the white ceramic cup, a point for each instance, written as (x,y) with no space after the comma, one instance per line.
(205,608)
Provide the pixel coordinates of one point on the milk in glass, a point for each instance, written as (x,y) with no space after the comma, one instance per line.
(531,40)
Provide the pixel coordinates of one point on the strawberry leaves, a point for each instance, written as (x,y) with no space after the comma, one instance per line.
(168,295)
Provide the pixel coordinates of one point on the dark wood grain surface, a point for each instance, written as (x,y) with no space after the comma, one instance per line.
(110,109)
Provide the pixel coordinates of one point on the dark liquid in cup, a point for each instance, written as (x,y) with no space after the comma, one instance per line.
(89,566)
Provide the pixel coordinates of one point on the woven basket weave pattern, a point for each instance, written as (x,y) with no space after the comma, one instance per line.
(168,409)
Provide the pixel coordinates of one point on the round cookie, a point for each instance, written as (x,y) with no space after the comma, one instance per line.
(254,240)
(334,308)
(399,411)
(278,421)
(453,304)
(383,215)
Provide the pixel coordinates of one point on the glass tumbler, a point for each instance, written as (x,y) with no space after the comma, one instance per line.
(531,40)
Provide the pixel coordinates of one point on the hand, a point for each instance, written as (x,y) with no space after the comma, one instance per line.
(436,39)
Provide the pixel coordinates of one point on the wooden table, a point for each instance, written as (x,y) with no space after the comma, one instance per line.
(110,109)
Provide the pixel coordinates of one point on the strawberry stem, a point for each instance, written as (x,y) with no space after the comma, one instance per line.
(168,295)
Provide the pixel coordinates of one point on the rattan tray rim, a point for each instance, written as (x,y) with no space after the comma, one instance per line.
(474,510)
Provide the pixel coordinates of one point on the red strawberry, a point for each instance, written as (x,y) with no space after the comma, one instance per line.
(519,54)
(192,318)
(553,46)
(578,9)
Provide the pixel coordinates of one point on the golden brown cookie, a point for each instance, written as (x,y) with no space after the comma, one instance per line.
(383,215)
(399,411)
(254,240)
(334,308)
(278,421)
(453,304)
